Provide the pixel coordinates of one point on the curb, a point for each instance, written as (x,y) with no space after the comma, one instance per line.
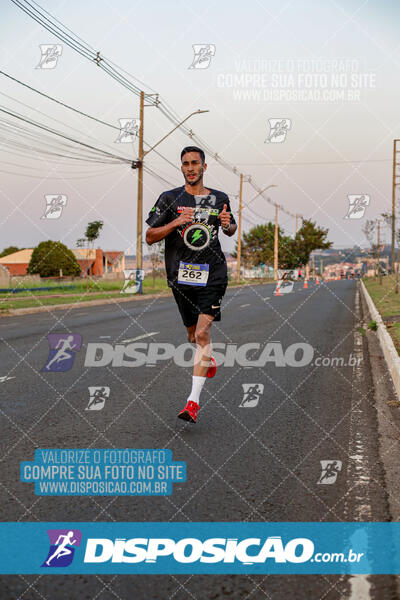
(389,351)
(12,312)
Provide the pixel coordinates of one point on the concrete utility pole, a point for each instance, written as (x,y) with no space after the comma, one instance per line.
(394,201)
(239,248)
(395,164)
(378,253)
(139,166)
(139,221)
(276,244)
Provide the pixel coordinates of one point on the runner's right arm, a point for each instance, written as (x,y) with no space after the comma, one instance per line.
(155,234)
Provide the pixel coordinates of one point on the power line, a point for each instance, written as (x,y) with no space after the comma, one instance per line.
(80,112)
(77,44)
(53,131)
(74,110)
(30,176)
(312,163)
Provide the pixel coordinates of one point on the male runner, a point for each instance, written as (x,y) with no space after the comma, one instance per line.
(189,218)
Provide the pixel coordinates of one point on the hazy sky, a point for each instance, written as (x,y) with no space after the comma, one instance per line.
(331,69)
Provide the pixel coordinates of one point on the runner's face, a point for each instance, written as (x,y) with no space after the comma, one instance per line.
(192,168)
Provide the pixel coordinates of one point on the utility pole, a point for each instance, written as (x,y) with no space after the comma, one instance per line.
(378,251)
(321,266)
(297,223)
(139,257)
(276,244)
(139,166)
(395,163)
(313,264)
(239,249)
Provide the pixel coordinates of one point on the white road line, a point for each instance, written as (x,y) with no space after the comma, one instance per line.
(5,378)
(243,305)
(139,337)
(358,468)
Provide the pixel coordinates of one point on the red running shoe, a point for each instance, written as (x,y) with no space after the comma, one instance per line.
(212,369)
(189,413)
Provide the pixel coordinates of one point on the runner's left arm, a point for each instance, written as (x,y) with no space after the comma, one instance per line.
(228,225)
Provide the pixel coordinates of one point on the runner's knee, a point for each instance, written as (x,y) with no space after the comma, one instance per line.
(202,337)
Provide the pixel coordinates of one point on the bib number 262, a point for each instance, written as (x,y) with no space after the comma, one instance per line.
(193,274)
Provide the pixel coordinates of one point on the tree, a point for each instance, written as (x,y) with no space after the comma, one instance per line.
(375,249)
(49,257)
(258,245)
(309,237)
(156,257)
(93,231)
(9,250)
(91,234)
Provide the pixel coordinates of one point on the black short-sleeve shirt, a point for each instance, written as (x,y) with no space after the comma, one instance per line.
(195,242)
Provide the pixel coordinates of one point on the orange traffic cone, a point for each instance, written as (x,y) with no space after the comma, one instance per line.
(305,286)
(278,290)
(317,281)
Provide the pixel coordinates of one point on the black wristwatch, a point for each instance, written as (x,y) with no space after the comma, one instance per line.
(226,228)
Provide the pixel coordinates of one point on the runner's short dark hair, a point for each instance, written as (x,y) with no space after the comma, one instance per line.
(194,149)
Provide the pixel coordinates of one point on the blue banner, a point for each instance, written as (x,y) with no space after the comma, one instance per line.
(103,472)
(211,548)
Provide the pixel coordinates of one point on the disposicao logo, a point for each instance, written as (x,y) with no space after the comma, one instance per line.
(191,550)
(62,547)
(62,351)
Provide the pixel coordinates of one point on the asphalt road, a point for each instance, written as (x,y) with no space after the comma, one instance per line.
(244,463)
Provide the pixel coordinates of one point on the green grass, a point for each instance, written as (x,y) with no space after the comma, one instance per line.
(97,290)
(384,297)
(78,286)
(387,302)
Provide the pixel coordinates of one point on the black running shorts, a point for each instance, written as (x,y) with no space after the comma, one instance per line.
(193,300)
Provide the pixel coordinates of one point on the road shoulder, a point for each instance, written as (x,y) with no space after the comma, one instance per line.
(388,415)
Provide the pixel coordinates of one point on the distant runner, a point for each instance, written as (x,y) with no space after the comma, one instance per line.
(189,218)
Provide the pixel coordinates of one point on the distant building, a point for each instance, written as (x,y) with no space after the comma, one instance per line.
(92,262)
(17,262)
(98,262)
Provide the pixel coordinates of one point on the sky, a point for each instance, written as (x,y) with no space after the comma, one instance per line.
(328,70)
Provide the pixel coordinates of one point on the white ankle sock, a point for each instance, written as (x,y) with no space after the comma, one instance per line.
(197,386)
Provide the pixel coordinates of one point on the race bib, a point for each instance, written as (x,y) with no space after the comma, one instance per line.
(193,274)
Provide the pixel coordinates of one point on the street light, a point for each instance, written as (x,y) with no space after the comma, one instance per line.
(139,166)
(259,193)
(196,112)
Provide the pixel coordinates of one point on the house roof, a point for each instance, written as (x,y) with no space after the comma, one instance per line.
(83,255)
(20,257)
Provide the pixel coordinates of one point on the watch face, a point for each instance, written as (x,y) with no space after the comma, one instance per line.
(196,236)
